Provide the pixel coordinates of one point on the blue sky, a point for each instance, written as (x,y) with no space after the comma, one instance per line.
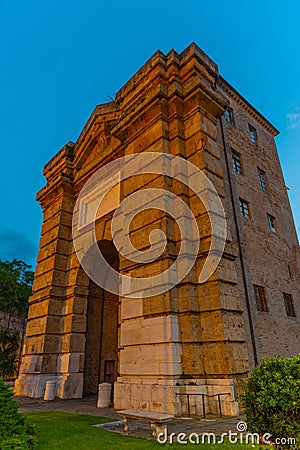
(61,58)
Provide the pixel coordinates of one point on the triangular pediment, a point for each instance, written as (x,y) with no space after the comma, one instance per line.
(95,135)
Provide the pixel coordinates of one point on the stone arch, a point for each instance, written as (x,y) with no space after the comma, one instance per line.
(101,335)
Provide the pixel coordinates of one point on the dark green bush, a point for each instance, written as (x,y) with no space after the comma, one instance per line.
(272,399)
(15,433)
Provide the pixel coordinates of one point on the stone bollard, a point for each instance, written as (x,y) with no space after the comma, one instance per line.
(104,393)
(50,390)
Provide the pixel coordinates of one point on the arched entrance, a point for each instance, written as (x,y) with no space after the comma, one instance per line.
(101,347)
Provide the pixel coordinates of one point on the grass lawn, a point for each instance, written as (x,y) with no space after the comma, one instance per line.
(56,430)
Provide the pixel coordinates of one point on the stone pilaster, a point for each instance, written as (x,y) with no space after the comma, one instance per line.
(44,327)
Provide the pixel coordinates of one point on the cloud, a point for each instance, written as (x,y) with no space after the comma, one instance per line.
(293,118)
(14,244)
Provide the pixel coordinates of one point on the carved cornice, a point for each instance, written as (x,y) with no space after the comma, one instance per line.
(61,162)
(62,185)
(239,99)
(101,120)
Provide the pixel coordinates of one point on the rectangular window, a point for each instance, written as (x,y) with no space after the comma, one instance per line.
(237,163)
(245,209)
(260,298)
(289,306)
(263,180)
(272,223)
(252,133)
(229,116)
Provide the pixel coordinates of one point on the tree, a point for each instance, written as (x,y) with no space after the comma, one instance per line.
(15,432)
(16,280)
(9,344)
(15,289)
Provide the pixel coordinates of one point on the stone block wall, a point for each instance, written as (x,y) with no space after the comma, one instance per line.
(175,105)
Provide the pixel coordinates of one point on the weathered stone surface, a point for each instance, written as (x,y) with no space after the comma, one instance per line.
(81,335)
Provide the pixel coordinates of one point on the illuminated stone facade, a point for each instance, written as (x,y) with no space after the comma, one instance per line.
(81,335)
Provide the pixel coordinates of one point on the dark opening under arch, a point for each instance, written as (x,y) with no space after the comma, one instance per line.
(101,346)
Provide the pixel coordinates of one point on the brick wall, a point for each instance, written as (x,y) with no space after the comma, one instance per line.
(271,260)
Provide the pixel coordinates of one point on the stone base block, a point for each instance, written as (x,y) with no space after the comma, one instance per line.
(70,386)
(145,395)
(189,400)
(171,396)
(34,385)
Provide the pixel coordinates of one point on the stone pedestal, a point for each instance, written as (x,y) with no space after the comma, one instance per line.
(50,390)
(104,395)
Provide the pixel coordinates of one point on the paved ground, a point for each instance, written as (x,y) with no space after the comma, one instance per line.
(88,406)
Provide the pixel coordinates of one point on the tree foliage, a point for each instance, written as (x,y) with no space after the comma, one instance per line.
(9,345)
(16,280)
(15,433)
(272,399)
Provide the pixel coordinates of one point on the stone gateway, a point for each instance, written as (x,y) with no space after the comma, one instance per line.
(196,340)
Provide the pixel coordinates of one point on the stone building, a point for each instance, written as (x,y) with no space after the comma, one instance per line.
(197,337)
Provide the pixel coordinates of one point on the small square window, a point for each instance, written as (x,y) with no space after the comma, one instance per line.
(228,114)
(252,133)
(289,306)
(260,298)
(237,163)
(263,180)
(272,223)
(245,209)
